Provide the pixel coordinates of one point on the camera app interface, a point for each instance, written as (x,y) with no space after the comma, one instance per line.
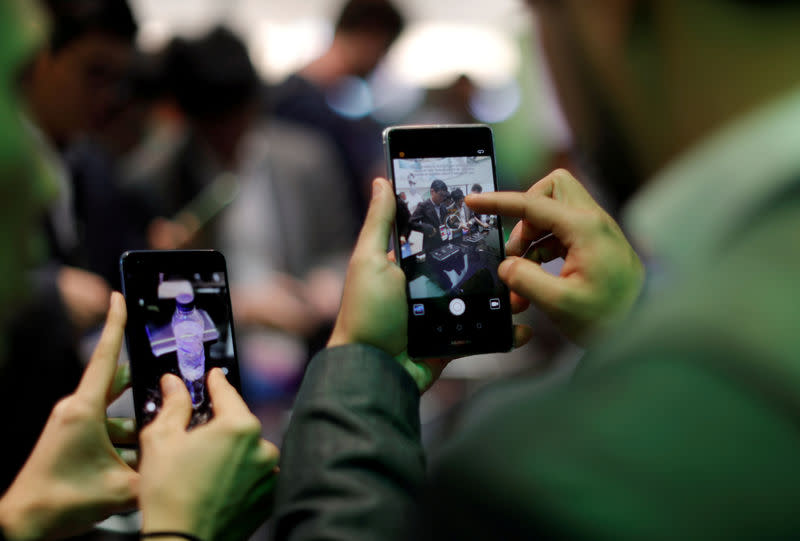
(184,328)
(447,250)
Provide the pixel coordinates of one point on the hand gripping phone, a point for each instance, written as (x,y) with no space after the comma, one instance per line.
(179,321)
(457,304)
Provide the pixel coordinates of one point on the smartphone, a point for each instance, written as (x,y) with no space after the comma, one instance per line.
(457,304)
(179,321)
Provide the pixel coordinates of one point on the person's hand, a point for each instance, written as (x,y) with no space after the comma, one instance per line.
(85,295)
(280,303)
(374,306)
(164,234)
(74,476)
(213,482)
(324,291)
(602,275)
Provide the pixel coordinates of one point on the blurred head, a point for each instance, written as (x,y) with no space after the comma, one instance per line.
(439,191)
(643,80)
(458,196)
(24,184)
(215,85)
(476,188)
(366,29)
(74,83)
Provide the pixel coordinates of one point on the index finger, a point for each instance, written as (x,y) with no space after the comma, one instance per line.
(374,236)
(541,213)
(99,374)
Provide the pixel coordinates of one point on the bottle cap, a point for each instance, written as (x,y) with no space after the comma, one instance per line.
(185,301)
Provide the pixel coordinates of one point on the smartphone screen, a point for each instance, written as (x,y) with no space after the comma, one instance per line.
(179,321)
(449,254)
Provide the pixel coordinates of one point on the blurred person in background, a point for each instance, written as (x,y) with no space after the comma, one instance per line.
(74,476)
(268,194)
(70,88)
(681,422)
(364,31)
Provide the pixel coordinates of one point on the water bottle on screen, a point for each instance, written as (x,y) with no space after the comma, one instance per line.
(188,327)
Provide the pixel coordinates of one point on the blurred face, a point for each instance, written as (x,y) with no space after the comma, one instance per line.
(365,51)
(438,197)
(576,36)
(77,89)
(24,185)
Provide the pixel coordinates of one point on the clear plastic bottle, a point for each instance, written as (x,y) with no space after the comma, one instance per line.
(188,327)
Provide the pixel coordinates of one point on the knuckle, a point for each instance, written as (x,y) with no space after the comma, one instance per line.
(596,221)
(269,453)
(71,409)
(244,426)
(561,174)
(149,434)
(515,278)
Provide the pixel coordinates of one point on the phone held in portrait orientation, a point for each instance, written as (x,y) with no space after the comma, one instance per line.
(457,305)
(179,321)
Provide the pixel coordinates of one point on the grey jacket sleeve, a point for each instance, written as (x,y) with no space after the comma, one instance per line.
(352,463)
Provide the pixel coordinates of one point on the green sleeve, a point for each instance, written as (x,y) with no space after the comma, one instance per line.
(352,462)
(665,446)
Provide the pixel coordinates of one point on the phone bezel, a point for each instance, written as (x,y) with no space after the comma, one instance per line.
(178,261)
(447,140)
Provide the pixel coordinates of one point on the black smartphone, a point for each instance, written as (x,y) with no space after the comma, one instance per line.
(457,305)
(179,321)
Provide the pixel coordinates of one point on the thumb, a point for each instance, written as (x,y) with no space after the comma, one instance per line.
(176,407)
(374,236)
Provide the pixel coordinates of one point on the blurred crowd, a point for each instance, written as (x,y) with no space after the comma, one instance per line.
(187,147)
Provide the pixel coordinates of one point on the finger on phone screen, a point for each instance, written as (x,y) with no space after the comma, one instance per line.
(176,406)
(224,396)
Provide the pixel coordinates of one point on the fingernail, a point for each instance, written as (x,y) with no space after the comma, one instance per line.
(169,384)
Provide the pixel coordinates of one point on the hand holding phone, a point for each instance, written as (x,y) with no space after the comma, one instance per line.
(180,488)
(374,306)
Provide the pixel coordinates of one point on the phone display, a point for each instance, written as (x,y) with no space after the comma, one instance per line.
(179,321)
(449,254)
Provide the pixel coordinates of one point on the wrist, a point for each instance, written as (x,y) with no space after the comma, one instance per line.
(166,518)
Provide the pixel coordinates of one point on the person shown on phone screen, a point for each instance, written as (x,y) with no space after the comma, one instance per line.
(681,421)
(429,216)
